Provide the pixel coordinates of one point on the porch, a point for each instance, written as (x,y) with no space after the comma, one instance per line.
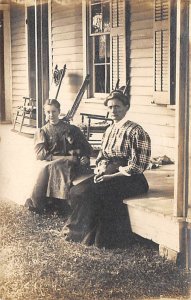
(151,215)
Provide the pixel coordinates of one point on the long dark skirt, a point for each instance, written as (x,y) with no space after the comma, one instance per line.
(99,216)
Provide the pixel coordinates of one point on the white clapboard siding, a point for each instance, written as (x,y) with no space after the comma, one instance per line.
(143,34)
(67,48)
(67,36)
(156,119)
(19,55)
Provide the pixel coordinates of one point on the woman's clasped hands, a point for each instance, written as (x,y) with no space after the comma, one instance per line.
(100,176)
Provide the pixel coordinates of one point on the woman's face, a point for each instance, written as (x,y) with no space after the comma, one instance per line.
(52,114)
(117,110)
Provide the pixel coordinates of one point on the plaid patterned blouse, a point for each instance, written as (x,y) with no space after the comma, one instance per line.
(128,145)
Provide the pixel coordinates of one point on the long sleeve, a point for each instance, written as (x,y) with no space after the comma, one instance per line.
(101,160)
(40,146)
(140,147)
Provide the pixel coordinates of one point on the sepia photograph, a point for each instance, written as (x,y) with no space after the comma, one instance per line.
(95,150)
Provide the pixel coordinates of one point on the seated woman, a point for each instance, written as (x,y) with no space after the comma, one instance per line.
(65,154)
(99,216)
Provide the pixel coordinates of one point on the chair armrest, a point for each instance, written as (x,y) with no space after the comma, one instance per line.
(95,117)
(92,115)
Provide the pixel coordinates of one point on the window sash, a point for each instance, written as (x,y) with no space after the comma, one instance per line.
(117,45)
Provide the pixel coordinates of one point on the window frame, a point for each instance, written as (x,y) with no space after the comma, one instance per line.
(118,67)
(91,40)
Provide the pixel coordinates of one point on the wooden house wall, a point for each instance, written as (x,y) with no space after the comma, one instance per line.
(19,55)
(66,38)
(158,120)
(67,48)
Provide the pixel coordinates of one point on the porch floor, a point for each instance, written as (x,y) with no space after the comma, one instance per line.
(16,165)
(16,170)
(160,197)
(151,215)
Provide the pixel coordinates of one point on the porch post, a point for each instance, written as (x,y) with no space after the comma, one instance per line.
(188,256)
(181,184)
(7,62)
(182,112)
(36,68)
(38,54)
(189,161)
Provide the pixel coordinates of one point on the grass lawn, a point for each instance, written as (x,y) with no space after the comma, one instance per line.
(37,263)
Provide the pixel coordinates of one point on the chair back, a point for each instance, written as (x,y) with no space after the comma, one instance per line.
(69,116)
(57,79)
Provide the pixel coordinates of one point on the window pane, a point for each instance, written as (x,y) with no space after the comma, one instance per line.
(107,48)
(96,21)
(106,17)
(100,79)
(100,49)
(99,1)
(108,79)
(95,1)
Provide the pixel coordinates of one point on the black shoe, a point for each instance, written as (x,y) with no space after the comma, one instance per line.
(29,205)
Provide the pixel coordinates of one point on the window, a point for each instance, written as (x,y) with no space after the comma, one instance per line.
(102,63)
(164,51)
(107,59)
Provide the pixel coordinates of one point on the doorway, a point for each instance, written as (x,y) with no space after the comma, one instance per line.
(2,77)
(38,56)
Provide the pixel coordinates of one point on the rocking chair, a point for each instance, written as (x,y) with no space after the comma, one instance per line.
(70,114)
(26,114)
(94,130)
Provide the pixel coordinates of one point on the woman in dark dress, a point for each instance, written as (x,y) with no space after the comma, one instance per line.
(64,154)
(99,216)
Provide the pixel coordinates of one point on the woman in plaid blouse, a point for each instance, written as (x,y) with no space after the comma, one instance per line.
(99,216)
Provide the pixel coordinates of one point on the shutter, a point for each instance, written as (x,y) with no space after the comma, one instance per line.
(118,44)
(162,52)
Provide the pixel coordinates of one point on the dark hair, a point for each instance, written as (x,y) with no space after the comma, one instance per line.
(52,102)
(120,95)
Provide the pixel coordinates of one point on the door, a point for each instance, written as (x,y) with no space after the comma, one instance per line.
(2,78)
(38,56)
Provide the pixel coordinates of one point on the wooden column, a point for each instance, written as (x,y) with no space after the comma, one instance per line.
(182,173)
(38,102)
(189,175)
(7,61)
(182,110)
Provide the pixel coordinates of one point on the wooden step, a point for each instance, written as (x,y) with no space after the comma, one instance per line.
(151,215)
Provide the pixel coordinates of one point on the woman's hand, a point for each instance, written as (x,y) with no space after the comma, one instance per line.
(84,160)
(72,158)
(101,178)
(100,170)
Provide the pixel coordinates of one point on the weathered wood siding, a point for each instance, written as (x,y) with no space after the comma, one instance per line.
(67,48)
(157,120)
(19,55)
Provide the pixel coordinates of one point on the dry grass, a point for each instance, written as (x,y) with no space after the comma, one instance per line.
(37,263)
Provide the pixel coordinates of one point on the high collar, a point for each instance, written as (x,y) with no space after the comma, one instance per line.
(121,122)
